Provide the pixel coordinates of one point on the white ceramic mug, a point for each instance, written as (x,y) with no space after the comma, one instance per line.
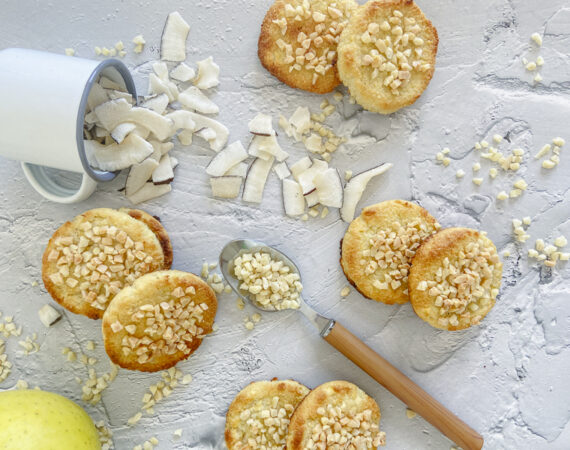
(42,107)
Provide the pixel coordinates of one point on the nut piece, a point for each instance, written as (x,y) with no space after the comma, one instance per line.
(49,315)
(269,282)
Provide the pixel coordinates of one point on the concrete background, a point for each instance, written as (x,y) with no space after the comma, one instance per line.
(506,378)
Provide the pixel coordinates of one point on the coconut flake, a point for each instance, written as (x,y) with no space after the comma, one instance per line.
(226,187)
(267,146)
(221,131)
(149,191)
(173,43)
(112,113)
(239,170)
(163,174)
(306,178)
(329,188)
(261,125)
(354,189)
(226,159)
(301,119)
(293,199)
(182,120)
(208,74)
(121,131)
(161,70)
(97,96)
(158,86)
(281,170)
(256,179)
(139,174)
(114,157)
(156,103)
(193,98)
(182,73)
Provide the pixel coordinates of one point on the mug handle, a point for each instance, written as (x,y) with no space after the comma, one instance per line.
(49,189)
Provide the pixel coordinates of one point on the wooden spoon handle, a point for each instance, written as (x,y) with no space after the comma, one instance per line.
(402,387)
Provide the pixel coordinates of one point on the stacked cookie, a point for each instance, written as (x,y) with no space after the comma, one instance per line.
(384,51)
(113,265)
(285,414)
(395,252)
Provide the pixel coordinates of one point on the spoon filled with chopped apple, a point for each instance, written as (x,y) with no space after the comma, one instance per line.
(271,281)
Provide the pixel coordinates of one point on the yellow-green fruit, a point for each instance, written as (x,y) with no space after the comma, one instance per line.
(39,420)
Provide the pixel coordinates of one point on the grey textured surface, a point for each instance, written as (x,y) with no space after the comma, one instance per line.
(506,378)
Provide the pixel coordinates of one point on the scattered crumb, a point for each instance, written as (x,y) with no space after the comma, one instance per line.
(345,291)
(70,52)
(410,414)
(177,433)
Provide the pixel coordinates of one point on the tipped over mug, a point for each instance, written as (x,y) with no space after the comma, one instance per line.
(43,97)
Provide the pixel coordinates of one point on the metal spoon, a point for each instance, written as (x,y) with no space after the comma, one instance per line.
(359,353)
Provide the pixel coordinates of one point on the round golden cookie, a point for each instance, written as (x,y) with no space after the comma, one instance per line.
(89,260)
(377,249)
(386,54)
(260,414)
(455,278)
(159,320)
(336,402)
(298,42)
(159,231)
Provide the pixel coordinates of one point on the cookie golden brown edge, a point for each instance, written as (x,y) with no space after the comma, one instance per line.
(159,320)
(90,259)
(386,54)
(352,416)
(298,42)
(377,249)
(260,413)
(455,278)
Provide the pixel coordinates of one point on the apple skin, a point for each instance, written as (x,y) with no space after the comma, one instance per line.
(39,420)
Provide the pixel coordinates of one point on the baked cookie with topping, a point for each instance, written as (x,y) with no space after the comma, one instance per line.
(298,42)
(455,278)
(90,259)
(336,414)
(386,54)
(259,415)
(159,231)
(378,247)
(159,320)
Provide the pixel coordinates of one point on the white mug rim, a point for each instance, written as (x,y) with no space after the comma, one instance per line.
(99,175)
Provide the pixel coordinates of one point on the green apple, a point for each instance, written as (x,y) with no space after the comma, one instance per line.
(39,420)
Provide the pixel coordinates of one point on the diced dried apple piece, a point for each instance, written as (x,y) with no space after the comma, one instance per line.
(112,113)
(233,154)
(149,191)
(293,199)
(282,170)
(261,125)
(256,179)
(300,166)
(173,43)
(139,174)
(182,73)
(354,189)
(208,73)
(226,187)
(114,157)
(193,98)
(239,170)
(121,131)
(157,103)
(163,174)
(329,188)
